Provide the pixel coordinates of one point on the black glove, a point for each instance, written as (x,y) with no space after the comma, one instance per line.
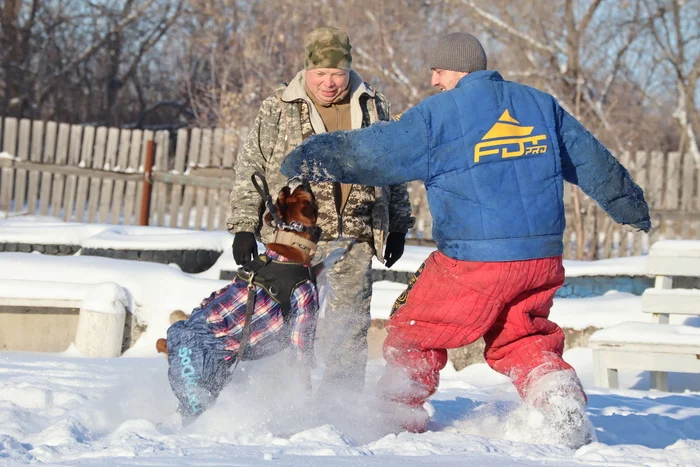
(394,248)
(245,248)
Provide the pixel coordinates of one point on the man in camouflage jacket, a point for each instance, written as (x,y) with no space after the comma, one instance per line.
(326,96)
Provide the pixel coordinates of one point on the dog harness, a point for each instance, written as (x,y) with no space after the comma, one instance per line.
(278,278)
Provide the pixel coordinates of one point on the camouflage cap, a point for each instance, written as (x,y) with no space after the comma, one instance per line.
(327,48)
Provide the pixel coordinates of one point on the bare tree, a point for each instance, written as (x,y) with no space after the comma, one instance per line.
(70,59)
(675,30)
(17,29)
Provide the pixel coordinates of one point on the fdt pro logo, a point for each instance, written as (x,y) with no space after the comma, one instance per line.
(509,139)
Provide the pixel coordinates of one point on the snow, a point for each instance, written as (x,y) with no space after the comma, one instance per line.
(383,295)
(53,231)
(154,290)
(42,290)
(630,266)
(64,409)
(685,293)
(684,248)
(651,334)
(158,238)
(59,409)
(106,297)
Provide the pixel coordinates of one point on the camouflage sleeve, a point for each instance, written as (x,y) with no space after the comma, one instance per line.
(383,107)
(400,219)
(246,204)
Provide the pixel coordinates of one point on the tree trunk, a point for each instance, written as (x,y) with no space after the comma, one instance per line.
(9,40)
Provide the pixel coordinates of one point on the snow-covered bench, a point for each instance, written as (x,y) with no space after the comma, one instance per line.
(100,308)
(658,346)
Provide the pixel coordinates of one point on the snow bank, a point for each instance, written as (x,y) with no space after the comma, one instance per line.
(154,290)
(52,233)
(158,238)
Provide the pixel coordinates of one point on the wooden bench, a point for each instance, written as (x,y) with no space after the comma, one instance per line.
(656,346)
(48,316)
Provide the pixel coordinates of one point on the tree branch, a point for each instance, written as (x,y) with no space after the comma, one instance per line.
(88,51)
(514,31)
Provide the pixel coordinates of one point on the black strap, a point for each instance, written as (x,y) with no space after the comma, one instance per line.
(264,192)
(245,333)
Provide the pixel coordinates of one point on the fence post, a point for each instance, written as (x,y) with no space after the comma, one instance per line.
(147,183)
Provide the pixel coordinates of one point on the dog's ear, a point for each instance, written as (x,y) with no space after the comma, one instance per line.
(304,191)
(280,206)
(284,193)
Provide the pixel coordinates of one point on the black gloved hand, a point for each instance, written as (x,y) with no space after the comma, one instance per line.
(394,248)
(245,248)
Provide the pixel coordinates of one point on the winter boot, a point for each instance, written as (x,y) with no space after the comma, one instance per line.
(558,405)
(399,417)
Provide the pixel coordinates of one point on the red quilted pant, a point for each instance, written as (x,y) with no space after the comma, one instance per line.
(454,303)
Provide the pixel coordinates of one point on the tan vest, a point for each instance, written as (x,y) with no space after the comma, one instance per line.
(336,116)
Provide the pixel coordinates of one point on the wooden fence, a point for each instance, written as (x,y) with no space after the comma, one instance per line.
(87,174)
(670,183)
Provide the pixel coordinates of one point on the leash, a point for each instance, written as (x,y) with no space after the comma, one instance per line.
(264,192)
(245,333)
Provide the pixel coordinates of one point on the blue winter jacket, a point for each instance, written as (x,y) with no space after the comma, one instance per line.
(493,155)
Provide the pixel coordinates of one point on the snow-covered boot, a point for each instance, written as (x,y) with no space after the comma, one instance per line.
(403,396)
(559,398)
(398,417)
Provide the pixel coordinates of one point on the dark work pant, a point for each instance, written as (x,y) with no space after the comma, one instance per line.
(199,366)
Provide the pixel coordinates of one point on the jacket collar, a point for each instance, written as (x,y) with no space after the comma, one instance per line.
(490,75)
(296,91)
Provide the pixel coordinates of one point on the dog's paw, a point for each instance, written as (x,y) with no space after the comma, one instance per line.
(162,346)
(178,315)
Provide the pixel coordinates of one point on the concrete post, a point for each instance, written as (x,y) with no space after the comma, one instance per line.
(101,321)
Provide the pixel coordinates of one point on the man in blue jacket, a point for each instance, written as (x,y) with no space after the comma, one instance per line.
(494,156)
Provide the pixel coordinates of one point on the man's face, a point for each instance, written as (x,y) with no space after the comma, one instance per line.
(446,80)
(327,83)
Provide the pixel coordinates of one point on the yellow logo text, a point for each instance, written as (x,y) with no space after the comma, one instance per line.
(509,139)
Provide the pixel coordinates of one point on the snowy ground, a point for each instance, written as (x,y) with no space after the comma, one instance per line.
(68,410)
(65,409)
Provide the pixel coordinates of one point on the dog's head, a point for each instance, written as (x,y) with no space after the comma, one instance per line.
(298,213)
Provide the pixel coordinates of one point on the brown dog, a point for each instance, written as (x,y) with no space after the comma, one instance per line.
(297,208)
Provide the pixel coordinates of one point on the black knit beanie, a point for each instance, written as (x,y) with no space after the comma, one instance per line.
(458,51)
